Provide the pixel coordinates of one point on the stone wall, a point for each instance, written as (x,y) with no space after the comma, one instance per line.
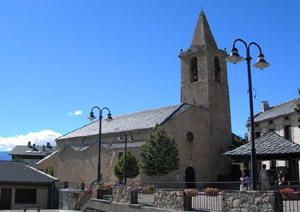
(232,201)
(122,194)
(169,199)
(166,199)
(71,199)
(248,201)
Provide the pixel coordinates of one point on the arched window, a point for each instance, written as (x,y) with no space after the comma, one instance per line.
(194,70)
(217,70)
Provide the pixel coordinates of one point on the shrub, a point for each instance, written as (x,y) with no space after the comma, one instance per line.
(149,189)
(211,191)
(191,192)
(104,186)
(132,168)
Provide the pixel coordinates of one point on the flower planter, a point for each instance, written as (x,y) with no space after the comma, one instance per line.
(211,191)
(190,192)
(291,196)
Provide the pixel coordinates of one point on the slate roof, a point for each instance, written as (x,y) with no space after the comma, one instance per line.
(268,146)
(277,110)
(25,150)
(134,121)
(16,172)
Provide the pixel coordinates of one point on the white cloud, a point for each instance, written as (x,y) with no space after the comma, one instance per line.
(39,138)
(75,113)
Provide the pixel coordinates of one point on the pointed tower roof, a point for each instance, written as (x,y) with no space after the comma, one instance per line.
(202,33)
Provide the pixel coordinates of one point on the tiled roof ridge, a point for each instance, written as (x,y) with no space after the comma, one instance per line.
(273,108)
(283,103)
(275,133)
(19,172)
(40,172)
(148,110)
(267,144)
(125,115)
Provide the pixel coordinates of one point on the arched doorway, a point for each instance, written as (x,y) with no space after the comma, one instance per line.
(189,177)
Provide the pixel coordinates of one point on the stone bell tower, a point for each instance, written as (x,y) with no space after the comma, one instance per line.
(204,78)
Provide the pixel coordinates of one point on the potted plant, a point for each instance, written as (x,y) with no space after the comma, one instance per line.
(149,189)
(289,193)
(211,191)
(190,192)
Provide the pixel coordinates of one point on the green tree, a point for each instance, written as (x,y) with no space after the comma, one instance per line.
(297,109)
(159,154)
(237,141)
(50,170)
(132,168)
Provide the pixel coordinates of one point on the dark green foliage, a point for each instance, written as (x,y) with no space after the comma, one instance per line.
(50,170)
(238,141)
(159,154)
(132,168)
(297,109)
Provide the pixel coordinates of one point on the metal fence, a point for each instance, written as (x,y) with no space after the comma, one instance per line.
(200,185)
(290,194)
(207,203)
(146,199)
(291,205)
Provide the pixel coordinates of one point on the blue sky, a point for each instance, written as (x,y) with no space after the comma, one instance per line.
(58,57)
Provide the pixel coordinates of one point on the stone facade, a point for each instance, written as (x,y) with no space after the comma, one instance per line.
(204,113)
(231,201)
(169,199)
(71,199)
(122,194)
(252,201)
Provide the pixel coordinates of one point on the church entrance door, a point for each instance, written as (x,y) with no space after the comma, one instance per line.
(189,177)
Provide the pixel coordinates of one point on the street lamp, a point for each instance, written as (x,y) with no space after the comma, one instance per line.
(261,63)
(91,118)
(125,136)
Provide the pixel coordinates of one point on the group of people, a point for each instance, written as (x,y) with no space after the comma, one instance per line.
(266,177)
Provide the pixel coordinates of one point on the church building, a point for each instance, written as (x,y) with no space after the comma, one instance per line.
(200,125)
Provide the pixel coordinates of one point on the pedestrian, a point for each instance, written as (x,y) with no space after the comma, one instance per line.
(282,178)
(264,179)
(245,180)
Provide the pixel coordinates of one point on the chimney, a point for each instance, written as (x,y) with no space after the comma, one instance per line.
(29,144)
(265,106)
(49,145)
(44,148)
(34,147)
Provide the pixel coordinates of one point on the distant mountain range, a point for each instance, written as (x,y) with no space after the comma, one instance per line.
(4,156)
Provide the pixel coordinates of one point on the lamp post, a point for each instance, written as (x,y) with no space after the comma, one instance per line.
(125,135)
(261,63)
(91,118)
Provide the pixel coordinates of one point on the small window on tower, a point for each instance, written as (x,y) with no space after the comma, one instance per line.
(194,70)
(287,132)
(217,70)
